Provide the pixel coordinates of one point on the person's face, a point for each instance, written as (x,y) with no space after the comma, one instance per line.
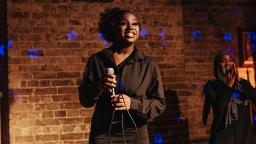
(127,29)
(226,63)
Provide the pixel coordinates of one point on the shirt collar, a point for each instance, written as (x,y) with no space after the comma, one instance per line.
(136,54)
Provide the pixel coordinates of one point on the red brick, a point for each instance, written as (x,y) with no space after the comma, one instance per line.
(45,91)
(66,121)
(45,122)
(47,114)
(67,90)
(61,82)
(61,113)
(70,105)
(63,98)
(20,139)
(71,136)
(44,75)
(49,137)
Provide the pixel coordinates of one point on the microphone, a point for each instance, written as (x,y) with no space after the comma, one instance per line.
(227,70)
(111,71)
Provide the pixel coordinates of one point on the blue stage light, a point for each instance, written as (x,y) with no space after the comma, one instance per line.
(228,37)
(2,51)
(196,34)
(100,37)
(254,117)
(34,53)
(144,32)
(236,94)
(158,138)
(72,35)
(252,36)
(10,44)
(253,46)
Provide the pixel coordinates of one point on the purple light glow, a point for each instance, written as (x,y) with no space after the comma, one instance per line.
(144,32)
(10,43)
(34,53)
(72,35)
(163,36)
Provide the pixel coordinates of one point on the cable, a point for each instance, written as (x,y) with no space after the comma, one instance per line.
(135,126)
(122,121)
(123,128)
(110,126)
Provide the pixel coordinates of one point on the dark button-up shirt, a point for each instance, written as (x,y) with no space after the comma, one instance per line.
(217,97)
(139,78)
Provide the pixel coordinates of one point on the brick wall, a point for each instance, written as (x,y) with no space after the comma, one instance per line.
(46,65)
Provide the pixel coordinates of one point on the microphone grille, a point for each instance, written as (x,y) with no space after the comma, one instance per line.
(110,71)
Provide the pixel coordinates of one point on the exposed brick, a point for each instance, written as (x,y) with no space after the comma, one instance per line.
(33,83)
(63,98)
(46,99)
(44,75)
(71,121)
(61,82)
(45,83)
(48,114)
(73,113)
(49,137)
(20,139)
(40,15)
(53,106)
(45,122)
(70,105)
(45,91)
(71,136)
(68,74)
(40,107)
(70,90)
(22,91)
(61,113)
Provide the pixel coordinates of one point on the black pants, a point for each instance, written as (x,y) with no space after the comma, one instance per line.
(117,137)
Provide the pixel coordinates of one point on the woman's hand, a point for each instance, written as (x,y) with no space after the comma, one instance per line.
(108,82)
(121,102)
(231,76)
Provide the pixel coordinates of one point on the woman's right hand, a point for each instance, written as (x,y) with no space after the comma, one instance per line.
(108,82)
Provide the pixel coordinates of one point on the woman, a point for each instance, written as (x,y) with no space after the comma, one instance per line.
(230,98)
(126,99)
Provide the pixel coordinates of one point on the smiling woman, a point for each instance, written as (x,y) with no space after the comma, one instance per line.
(128,96)
(230,99)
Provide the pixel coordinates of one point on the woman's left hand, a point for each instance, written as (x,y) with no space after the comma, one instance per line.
(121,102)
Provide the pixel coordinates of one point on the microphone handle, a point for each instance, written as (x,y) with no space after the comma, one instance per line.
(113,91)
(111,71)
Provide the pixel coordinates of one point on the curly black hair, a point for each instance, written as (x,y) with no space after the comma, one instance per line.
(107,19)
